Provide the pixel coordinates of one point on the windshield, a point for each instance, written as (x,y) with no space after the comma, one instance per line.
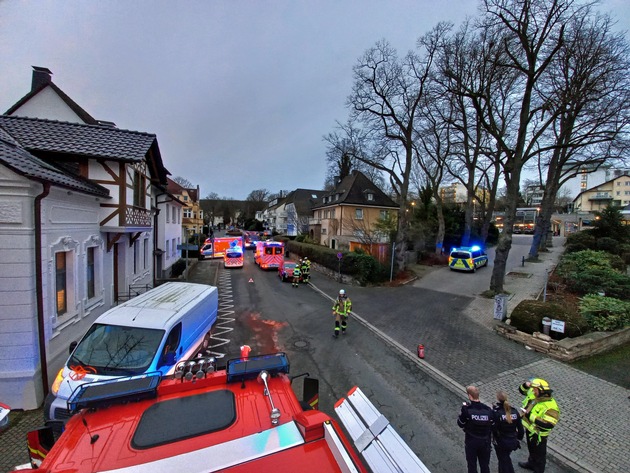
(460,254)
(234,254)
(114,349)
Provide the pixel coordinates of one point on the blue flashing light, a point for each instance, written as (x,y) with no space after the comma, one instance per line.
(248,368)
(475,248)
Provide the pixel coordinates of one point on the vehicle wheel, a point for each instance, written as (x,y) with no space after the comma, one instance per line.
(206,341)
(474,268)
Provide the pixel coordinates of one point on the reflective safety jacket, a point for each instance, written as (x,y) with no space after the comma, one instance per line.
(296,272)
(528,393)
(342,306)
(542,415)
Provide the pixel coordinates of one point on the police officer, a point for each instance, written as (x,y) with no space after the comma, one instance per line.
(507,432)
(341,310)
(477,421)
(306,269)
(540,414)
(296,275)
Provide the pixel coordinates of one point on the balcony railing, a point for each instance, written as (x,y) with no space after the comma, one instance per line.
(601,196)
(137,217)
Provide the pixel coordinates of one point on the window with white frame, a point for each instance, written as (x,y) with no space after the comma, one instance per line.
(323,231)
(91,271)
(384,214)
(139,185)
(332,213)
(135,257)
(188,213)
(173,248)
(370,196)
(168,213)
(146,253)
(61,281)
(358,214)
(168,253)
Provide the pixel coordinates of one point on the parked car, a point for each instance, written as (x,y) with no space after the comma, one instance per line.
(285,270)
(250,240)
(467,258)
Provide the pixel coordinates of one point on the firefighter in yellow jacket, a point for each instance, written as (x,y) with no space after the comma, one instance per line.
(341,311)
(540,414)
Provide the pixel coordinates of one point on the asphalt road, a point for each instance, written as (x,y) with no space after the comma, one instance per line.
(257,309)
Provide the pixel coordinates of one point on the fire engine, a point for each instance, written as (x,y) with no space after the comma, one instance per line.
(216,247)
(241,418)
(269,254)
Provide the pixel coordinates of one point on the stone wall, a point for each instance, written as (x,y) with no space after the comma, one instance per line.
(568,349)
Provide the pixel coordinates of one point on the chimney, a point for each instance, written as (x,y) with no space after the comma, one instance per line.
(41,76)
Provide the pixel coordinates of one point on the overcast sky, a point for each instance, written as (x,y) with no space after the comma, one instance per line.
(238,92)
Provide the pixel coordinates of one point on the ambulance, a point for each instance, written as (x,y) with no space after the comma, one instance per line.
(216,247)
(233,257)
(269,254)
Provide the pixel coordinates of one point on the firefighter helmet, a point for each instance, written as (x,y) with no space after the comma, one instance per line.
(541,384)
(342,292)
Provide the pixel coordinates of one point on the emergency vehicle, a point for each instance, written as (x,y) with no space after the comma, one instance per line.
(269,254)
(241,418)
(467,258)
(233,257)
(216,247)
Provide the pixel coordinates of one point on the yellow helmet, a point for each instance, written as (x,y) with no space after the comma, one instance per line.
(540,384)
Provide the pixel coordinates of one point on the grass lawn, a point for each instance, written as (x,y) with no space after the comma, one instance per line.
(613,366)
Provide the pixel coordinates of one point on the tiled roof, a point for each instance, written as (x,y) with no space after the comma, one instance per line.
(22,162)
(353,190)
(95,141)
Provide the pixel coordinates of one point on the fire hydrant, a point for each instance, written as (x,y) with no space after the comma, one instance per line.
(421,351)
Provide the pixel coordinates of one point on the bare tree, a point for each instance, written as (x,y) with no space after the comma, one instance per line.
(385,100)
(185,183)
(524,38)
(259,195)
(341,154)
(587,92)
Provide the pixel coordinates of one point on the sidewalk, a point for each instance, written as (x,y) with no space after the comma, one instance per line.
(593,432)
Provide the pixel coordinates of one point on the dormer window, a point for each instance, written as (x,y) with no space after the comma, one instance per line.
(336,196)
(370,196)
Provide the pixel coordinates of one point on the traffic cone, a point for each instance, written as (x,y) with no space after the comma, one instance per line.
(421,351)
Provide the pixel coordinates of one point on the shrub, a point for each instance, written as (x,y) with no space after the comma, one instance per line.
(605,313)
(575,247)
(178,268)
(528,314)
(608,244)
(584,238)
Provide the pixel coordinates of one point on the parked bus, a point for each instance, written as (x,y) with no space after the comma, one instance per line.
(269,254)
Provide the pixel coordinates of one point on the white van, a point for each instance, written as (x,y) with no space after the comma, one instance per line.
(148,333)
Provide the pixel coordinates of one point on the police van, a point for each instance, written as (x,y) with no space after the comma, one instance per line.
(149,333)
(467,258)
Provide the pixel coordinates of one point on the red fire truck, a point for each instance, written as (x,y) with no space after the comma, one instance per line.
(242,418)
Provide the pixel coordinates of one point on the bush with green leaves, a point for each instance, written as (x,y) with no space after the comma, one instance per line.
(589,271)
(605,313)
(584,239)
(528,314)
(608,244)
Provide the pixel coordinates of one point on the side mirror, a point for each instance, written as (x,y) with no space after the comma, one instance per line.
(169,358)
(73,345)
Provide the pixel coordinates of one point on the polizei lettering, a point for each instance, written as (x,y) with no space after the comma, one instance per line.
(478,417)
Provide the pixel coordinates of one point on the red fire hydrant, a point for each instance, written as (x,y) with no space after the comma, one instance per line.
(421,351)
(245,349)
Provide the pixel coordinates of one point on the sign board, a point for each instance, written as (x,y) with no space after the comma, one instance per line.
(557,325)
(188,247)
(500,307)
(339,255)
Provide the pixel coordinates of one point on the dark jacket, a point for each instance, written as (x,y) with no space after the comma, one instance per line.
(504,433)
(476,419)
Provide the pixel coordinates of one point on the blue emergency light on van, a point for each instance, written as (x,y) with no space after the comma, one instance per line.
(149,333)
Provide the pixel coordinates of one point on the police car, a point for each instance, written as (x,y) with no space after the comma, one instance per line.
(467,258)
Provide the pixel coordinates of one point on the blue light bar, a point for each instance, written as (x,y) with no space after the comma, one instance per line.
(475,248)
(114,391)
(239,369)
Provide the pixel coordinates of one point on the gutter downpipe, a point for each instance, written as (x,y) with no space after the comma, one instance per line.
(39,285)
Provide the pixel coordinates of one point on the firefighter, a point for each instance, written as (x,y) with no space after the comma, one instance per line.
(341,311)
(296,275)
(477,420)
(540,414)
(306,270)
